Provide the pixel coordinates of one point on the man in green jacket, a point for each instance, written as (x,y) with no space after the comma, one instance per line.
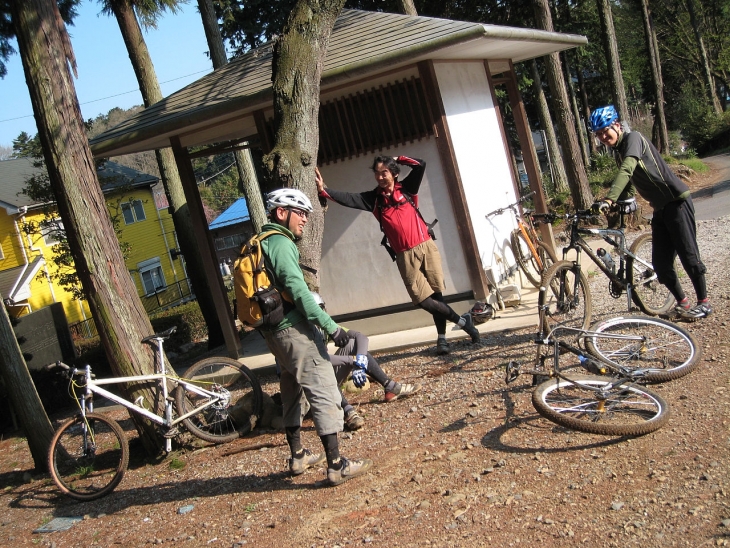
(673,227)
(305,368)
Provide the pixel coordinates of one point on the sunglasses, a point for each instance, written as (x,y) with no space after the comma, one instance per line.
(303,214)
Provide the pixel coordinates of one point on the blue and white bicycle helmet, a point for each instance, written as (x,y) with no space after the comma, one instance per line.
(603,117)
(288,198)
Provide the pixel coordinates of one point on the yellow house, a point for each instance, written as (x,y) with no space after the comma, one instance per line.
(138,204)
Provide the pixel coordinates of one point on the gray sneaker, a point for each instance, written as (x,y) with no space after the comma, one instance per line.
(472,331)
(403,391)
(353,421)
(298,466)
(700,310)
(350,469)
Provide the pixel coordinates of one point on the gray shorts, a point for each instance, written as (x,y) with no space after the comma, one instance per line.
(306,372)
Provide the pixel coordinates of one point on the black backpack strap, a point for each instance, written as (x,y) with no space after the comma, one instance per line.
(429,226)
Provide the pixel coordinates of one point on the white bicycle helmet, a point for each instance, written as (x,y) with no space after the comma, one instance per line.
(288,197)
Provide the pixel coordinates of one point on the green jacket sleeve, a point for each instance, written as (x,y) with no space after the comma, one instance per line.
(283,257)
(625,172)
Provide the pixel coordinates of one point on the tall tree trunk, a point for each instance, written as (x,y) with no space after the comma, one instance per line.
(610,47)
(709,79)
(407,7)
(579,124)
(120,318)
(586,109)
(662,142)
(572,157)
(297,68)
(151,94)
(23,396)
(555,159)
(244,162)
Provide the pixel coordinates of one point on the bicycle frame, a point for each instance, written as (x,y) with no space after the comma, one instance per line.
(94,386)
(616,237)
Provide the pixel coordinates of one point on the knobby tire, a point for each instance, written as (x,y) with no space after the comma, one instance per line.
(239,411)
(628,410)
(87,458)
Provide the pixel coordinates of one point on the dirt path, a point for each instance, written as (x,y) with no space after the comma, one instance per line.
(467,462)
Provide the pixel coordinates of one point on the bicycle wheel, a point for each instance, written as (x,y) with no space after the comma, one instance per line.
(665,352)
(580,404)
(88,456)
(564,297)
(238,404)
(532,266)
(649,295)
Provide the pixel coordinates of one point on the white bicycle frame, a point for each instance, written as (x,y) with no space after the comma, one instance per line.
(93,385)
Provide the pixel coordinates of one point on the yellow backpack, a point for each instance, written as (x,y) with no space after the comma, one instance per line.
(258,302)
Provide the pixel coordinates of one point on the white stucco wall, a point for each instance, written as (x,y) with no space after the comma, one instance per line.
(352,256)
(480,155)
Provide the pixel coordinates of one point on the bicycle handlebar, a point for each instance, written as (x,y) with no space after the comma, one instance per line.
(510,206)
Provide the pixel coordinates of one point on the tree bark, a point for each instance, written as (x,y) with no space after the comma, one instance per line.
(555,159)
(244,162)
(610,47)
(579,124)
(407,7)
(572,157)
(151,94)
(662,142)
(586,109)
(24,399)
(297,68)
(121,320)
(709,79)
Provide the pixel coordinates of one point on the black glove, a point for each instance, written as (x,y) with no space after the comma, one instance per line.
(339,337)
(600,207)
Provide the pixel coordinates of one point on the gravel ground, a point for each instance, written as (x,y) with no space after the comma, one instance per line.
(467,462)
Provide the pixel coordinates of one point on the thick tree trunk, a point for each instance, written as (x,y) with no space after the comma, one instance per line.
(709,79)
(555,159)
(117,310)
(407,7)
(586,109)
(662,142)
(579,124)
(24,399)
(610,47)
(151,94)
(244,162)
(574,166)
(297,68)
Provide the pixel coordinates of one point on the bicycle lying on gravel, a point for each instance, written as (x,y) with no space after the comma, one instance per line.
(532,254)
(632,349)
(217,399)
(569,300)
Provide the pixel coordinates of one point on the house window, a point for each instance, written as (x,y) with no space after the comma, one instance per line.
(133,211)
(229,242)
(150,272)
(52,231)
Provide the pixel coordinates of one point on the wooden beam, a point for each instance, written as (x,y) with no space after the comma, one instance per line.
(205,244)
(454,186)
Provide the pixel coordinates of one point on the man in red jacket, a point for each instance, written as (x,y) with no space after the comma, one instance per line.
(395,206)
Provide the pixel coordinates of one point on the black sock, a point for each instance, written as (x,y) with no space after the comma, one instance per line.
(293,438)
(332,450)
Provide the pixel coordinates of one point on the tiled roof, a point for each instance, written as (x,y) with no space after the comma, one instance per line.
(358,46)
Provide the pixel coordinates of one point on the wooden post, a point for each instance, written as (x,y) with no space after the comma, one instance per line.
(205,243)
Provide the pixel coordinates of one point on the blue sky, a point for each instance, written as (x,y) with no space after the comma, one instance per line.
(106,79)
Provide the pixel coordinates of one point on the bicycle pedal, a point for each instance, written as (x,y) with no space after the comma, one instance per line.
(171,433)
(512,371)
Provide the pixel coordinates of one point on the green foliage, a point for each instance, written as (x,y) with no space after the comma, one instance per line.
(695,116)
(602,172)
